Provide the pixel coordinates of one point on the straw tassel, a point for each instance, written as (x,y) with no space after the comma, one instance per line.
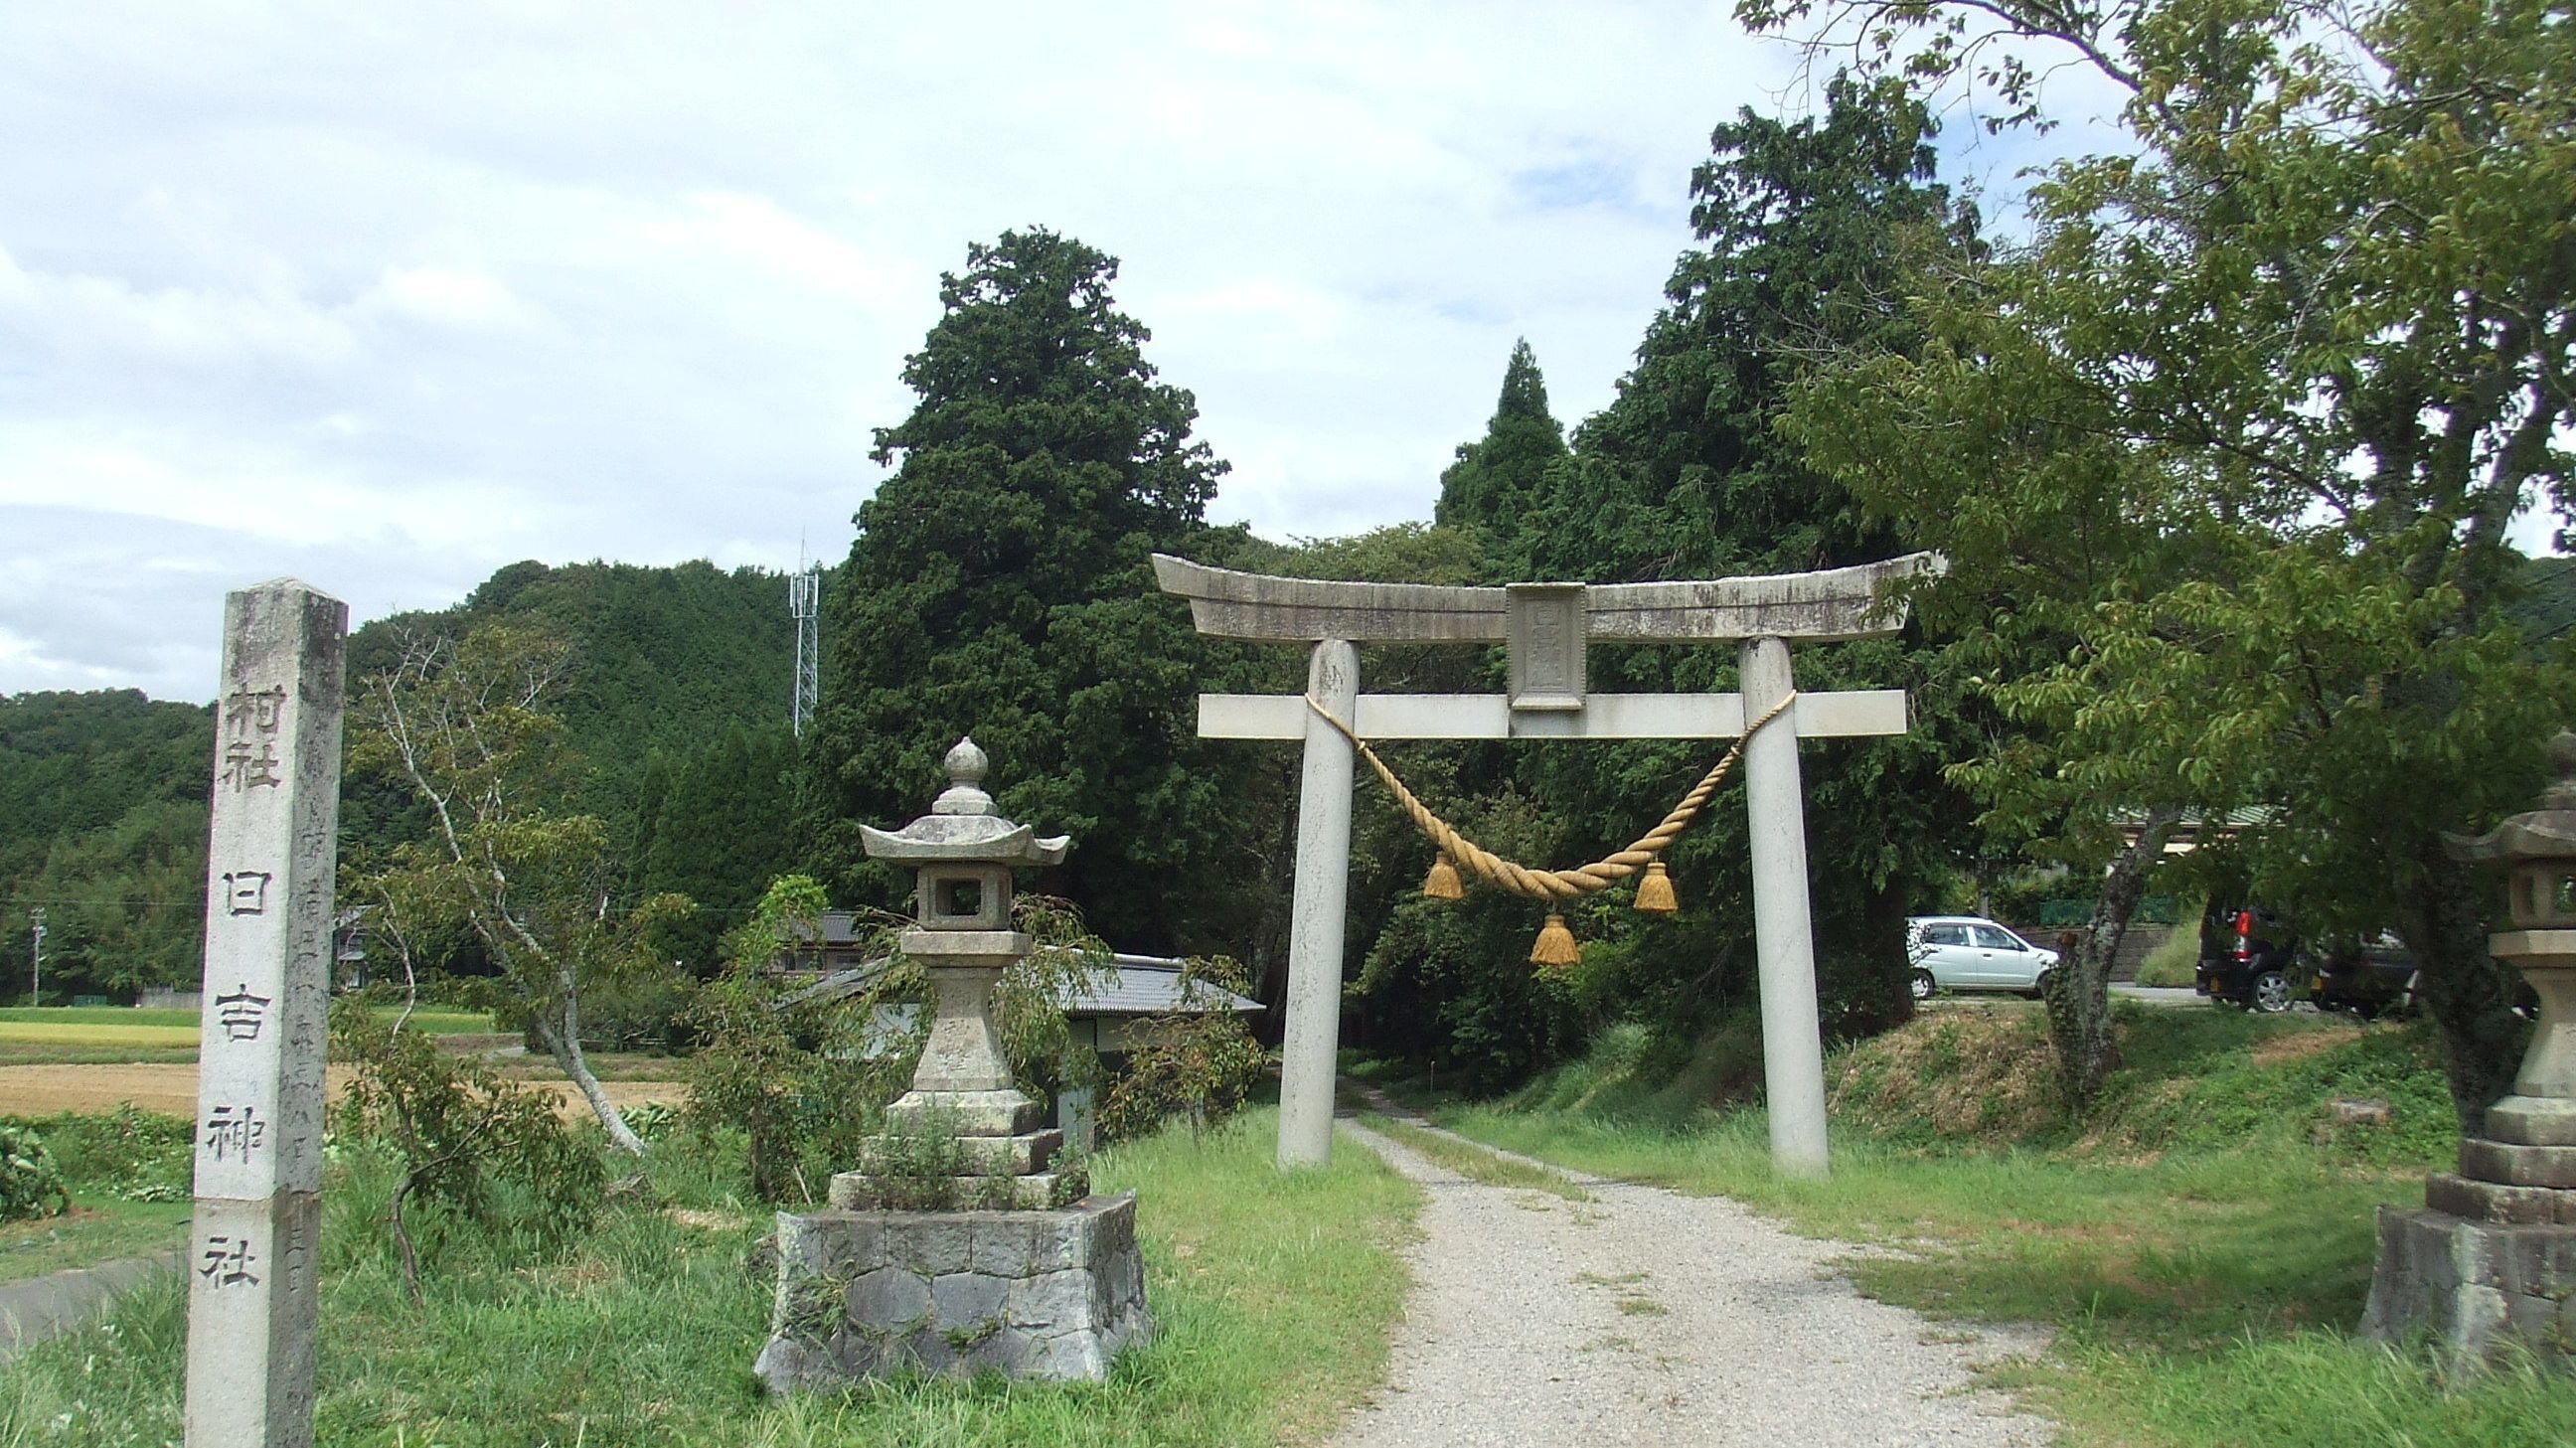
(1555,943)
(1655,892)
(1443,883)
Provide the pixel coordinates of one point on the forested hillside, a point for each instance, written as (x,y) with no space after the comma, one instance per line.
(663,659)
(103,827)
(674,705)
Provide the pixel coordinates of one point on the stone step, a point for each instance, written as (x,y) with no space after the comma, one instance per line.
(2532,1121)
(967,1113)
(2510,1164)
(859,1191)
(2499,1202)
(1023,1155)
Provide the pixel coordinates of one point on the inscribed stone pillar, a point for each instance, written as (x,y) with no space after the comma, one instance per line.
(1315,922)
(269,866)
(1793,1053)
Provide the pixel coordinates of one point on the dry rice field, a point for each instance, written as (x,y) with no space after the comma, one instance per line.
(172,1087)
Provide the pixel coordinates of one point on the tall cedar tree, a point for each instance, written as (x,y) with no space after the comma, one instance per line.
(999,587)
(711,828)
(1495,479)
(1807,228)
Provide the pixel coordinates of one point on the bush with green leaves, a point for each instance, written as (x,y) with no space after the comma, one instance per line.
(142,1156)
(31,1182)
(806,1079)
(1198,1062)
(458,1130)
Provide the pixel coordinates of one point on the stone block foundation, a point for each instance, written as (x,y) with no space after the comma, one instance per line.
(2474,1285)
(1031,1294)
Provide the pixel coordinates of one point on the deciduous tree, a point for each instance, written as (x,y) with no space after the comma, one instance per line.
(2244,421)
(463,725)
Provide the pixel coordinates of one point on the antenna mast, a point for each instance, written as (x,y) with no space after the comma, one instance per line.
(804,592)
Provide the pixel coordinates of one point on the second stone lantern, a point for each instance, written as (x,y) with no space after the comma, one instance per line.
(963,853)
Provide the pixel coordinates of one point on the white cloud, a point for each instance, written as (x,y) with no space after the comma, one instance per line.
(446,296)
(389,296)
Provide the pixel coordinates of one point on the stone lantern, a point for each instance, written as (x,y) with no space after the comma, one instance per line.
(957,1247)
(2491,1256)
(962,938)
(2537,1123)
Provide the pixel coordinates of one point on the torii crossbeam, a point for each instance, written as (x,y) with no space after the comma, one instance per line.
(1545,626)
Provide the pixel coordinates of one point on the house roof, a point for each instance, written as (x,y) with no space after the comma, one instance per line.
(1144,985)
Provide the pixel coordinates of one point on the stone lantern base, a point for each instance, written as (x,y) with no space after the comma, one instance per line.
(1033,1295)
(2490,1258)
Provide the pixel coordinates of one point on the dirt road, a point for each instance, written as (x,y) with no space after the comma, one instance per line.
(1641,1317)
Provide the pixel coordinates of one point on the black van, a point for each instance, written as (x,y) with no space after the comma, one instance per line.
(2247,958)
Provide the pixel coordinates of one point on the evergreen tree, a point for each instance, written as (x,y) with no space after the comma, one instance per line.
(716,834)
(999,587)
(1494,479)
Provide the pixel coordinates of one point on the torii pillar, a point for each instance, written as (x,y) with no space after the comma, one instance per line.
(1545,626)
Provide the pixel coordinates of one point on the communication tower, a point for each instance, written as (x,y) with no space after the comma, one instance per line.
(804,592)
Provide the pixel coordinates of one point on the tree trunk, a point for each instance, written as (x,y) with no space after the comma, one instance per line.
(2079,992)
(1886,996)
(2466,991)
(563,1039)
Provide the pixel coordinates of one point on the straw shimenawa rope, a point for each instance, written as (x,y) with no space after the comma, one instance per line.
(1551,884)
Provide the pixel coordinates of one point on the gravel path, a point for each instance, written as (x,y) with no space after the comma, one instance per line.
(1646,1317)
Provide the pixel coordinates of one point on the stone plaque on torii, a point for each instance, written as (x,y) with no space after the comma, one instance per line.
(1545,627)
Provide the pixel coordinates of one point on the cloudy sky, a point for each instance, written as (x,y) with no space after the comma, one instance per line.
(384,296)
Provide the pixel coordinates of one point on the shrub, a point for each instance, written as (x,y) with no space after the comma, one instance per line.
(457,1130)
(1198,1064)
(31,1183)
(143,1156)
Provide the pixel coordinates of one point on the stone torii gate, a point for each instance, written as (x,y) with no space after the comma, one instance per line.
(1545,626)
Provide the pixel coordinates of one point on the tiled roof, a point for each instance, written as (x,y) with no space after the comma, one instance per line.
(1145,985)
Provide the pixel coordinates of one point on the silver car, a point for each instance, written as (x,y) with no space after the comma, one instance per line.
(1970,952)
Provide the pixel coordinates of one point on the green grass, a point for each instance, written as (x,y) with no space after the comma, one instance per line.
(1474,1162)
(117,1035)
(2202,1244)
(1273,1295)
(55,1053)
(106,1160)
(101,1228)
(96,1033)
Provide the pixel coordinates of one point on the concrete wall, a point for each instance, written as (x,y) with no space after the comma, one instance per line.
(2135,946)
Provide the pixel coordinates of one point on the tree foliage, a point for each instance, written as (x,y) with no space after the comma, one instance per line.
(1494,480)
(2237,433)
(458,1131)
(713,824)
(802,1080)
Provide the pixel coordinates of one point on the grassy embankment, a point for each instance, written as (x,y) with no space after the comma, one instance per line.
(2201,1244)
(1274,1296)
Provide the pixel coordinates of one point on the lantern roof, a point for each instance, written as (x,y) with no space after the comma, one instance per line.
(2545,833)
(962,825)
